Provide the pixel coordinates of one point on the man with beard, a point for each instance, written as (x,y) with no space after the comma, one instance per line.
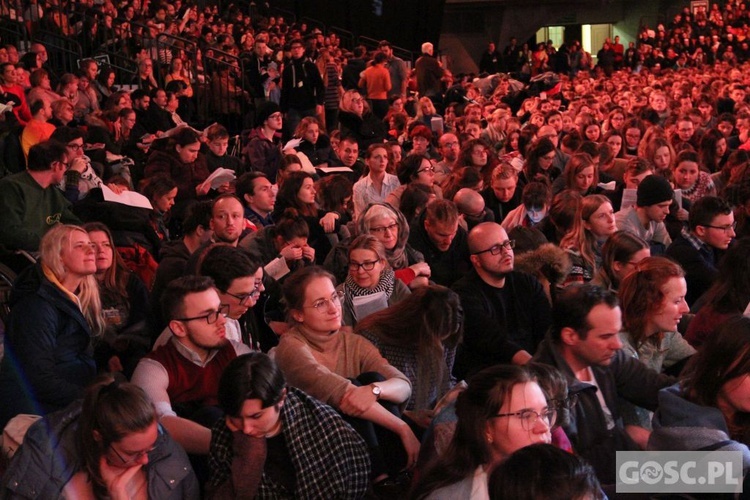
(506,313)
(448,147)
(182,376)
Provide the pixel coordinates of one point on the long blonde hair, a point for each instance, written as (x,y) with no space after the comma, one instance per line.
(53,244)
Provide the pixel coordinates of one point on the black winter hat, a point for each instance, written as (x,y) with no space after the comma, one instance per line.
(652,190)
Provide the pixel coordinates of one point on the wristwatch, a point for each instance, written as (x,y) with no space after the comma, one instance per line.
(376,390)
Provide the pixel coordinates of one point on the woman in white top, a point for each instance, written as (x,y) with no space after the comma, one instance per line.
(377,184)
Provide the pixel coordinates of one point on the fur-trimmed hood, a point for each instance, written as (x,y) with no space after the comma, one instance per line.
(548,259)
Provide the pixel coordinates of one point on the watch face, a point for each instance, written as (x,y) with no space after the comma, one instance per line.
(376,390)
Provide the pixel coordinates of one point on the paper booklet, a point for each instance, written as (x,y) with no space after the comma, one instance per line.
(220,176)
(368,304)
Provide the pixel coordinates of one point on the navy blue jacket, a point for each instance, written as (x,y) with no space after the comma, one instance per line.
(48,355)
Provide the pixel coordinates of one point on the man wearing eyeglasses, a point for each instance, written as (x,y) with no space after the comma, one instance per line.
(30,201)
(182,376)
(584,344)
(710,230)
(506,313)
(239,282)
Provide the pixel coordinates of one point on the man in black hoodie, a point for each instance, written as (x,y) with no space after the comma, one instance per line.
(302,89)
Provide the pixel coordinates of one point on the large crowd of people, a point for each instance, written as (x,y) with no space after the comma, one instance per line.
(396,283)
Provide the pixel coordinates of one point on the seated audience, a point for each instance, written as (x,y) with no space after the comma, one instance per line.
(506,313)
(646,219)
(181,376)
(593,226)
(31,202)
(706,409)
(728,295)
(621,254)
(544,472)
(437,235)
(125,307)
(377,184)
(584,345)
(418,336)
(711,230)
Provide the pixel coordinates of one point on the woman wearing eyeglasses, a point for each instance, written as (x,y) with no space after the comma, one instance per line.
(356,119)
(111,446)
(417,169)
(371,284)
(502,410)
(388,226)
(345,371)
(540,164)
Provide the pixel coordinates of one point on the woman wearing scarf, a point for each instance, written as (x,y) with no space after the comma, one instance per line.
(371,284)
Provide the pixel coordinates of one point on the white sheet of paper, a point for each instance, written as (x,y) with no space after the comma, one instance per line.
(220,176)
(329,170)
(130,198)
(277,268)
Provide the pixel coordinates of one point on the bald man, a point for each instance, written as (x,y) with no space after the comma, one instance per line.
(506,313)
(471,209)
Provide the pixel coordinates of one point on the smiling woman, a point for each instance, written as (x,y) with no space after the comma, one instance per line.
(370,284)
(345,370)
(502,410)
(55,311)
(653,303)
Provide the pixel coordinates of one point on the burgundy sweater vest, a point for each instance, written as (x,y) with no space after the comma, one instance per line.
(188,382)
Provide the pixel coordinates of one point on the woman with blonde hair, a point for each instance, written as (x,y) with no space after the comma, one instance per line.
(55,311)
(660,153)
(425,112)
(314,143)
(356,120)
